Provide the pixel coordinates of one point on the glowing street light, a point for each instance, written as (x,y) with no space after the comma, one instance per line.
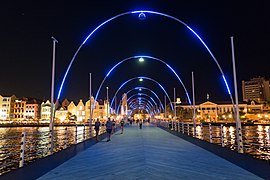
(141,59)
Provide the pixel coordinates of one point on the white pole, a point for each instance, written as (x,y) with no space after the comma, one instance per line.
(174,97)
(90,96)
(238,122)
(165,107)
(107,101)
(52,96)
(194,112)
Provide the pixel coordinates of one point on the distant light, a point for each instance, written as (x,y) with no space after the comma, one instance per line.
(141,79)
(142,16)
(141,59)
(140,89)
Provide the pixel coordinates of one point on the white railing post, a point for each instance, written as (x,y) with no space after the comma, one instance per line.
(51,142)
(178,126)
(210,133)
(66,137)
(183,128)
(222,135)
(269,135)
(188,129)
(76,132)
(202,131)
(23,139)
(84,132)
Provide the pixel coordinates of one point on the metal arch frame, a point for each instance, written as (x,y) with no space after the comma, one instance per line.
(144,88)
(143,77)
(148,57)
(146,101)
(146,105)
(140,96)
(142,12)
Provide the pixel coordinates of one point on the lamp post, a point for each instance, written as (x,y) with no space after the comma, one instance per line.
(107,102)
(91,110)
(238,122)
(52,97)
(194,110)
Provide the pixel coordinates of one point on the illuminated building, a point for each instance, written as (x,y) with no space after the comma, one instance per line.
(45,110)
(72,108)
(80,112)
(19,109)
(257,89)
(61,115)
(210,111)
(7,107)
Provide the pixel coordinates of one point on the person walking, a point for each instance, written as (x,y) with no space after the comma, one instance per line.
(113,126)
(140,124)
(109,129)
(122,126)
(97,126)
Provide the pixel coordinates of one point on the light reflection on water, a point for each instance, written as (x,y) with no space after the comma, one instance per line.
(37,142)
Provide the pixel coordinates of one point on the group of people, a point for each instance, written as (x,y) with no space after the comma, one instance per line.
(110,128)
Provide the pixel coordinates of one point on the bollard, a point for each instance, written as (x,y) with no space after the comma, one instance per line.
(23,138)
(188,129)
(201,131)
(178,126)
(210,133)
(66,138)
(183,128)
(222,135)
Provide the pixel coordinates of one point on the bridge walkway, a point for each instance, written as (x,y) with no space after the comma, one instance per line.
(147,153)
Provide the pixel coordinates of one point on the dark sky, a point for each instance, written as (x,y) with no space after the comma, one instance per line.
(26,45)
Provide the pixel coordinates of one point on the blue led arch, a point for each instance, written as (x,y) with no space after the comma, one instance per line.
(144,12)
(147,78)
(142,88)
(139,57)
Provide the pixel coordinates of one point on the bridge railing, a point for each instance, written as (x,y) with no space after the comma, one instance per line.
(25,147)
(256,142)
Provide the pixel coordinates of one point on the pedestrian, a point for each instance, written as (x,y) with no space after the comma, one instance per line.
(140,124)
(122,126)
(97,126)
(109,129)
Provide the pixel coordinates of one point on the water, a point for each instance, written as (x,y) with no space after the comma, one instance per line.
(37,143)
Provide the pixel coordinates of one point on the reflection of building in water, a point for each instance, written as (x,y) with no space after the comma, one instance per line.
(210,111)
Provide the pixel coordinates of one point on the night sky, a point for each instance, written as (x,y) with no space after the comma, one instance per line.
(26,46)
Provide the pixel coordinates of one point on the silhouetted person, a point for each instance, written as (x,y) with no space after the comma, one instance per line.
(97,126)
(109,129)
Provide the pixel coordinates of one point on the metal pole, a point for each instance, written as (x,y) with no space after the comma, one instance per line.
(165,108)
(238,122)
(174,97)
(194,112)
(52,97)
(91,111)
(107,101)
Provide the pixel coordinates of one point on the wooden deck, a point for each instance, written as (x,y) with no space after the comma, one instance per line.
(148,153)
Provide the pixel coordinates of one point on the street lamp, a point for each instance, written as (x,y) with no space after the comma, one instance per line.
(107,102)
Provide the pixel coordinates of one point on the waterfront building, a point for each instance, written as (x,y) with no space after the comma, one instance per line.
(32,109)
(19,109)
(72,108)
(80,112)
(61,115)
(45,110)
(256,89)
(65,104)
(212,112)
(7,106)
